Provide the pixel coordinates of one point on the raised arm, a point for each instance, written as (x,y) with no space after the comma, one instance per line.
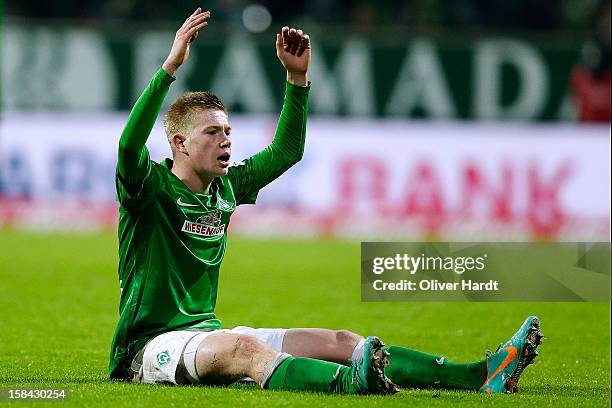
(133,159)
(287,148)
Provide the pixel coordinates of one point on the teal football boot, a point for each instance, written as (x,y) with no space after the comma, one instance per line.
(368,372)
(505,366)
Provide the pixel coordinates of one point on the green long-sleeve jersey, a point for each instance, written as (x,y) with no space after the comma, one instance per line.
(172,240)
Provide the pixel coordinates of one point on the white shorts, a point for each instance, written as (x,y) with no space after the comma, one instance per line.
(174,353)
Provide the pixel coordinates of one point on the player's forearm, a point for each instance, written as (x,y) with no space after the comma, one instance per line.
(297,78)
(133,157)
(144,113)
(290,134)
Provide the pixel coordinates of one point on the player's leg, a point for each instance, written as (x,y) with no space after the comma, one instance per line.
(415,369)
(222,358)
(498,372)
(323,344)
(196,356)
(407,368)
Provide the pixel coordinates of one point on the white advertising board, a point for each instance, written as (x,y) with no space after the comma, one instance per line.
(361,178)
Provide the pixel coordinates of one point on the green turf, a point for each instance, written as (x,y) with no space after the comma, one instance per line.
(59,303)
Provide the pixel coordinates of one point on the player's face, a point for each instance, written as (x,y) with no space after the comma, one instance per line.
(209,145)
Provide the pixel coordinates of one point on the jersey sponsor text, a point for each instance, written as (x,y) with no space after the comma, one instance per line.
(203,230)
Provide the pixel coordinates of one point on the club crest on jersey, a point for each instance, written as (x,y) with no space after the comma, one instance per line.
(224,205)
(212,219)
(206,225)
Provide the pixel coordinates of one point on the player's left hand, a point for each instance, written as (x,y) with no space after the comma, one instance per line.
(293,51)
(185,35)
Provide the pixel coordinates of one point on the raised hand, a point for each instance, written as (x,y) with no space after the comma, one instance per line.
(293,51)
(184,37)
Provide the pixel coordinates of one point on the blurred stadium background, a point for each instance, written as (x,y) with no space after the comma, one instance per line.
(430,119)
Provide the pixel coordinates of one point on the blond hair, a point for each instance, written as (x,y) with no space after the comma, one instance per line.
(181,116)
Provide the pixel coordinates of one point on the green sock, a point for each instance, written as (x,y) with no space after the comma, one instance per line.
(307,374)
(410,368)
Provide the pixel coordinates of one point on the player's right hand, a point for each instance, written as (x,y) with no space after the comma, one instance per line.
(184,37)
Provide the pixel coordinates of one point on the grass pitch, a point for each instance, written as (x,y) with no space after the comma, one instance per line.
(60,295)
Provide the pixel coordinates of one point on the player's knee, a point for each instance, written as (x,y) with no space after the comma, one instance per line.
(245,347)
(346,338)
(225,354)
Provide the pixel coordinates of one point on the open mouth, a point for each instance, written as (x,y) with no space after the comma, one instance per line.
(224,159)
